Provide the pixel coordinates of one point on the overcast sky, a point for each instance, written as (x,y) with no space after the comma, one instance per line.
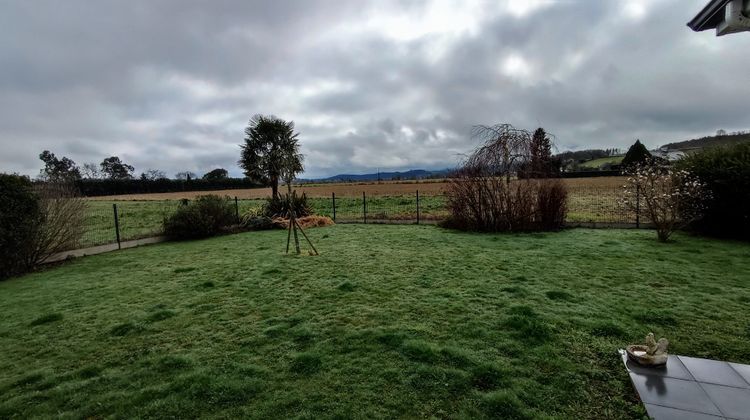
(382,84)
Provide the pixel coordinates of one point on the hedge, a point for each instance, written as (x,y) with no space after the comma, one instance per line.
(101,187)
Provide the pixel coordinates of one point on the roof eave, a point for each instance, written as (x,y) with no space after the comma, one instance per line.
(705,19)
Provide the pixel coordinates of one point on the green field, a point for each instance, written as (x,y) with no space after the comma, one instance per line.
(141,219)
(389,321)
(597,163)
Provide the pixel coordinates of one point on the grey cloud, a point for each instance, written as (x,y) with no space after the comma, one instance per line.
(171,84)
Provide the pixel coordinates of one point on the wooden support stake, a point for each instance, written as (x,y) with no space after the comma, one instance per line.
(305,235)
(288,238)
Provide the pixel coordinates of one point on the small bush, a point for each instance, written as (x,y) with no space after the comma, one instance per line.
(206,216)
(551,204)
(279,206)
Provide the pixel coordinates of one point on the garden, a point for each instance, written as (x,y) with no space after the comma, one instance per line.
(501,311)
(389,321)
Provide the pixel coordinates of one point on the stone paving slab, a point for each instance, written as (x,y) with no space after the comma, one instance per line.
(691,388)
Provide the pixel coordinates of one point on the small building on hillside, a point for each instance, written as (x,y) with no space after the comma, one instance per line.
(667,154)
(726,16)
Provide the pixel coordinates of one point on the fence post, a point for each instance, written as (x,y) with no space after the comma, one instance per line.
(236,209)
(480,206)
(417,206)
(333,197)
(117,225)
(364,206)
(637,206)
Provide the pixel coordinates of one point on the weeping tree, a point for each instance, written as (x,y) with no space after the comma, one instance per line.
(271,149)
(483,195)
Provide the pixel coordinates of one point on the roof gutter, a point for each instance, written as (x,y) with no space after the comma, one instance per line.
(701,21)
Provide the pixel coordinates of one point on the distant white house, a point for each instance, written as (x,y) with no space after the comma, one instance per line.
(726,16)
(668,154)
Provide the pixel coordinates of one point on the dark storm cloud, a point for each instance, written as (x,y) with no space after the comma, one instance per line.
(378,84)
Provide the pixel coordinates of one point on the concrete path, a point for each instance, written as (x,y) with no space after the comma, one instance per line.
(103,248)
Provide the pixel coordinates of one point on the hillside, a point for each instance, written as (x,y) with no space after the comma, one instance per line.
(597,163)
(710,141)
(382,176)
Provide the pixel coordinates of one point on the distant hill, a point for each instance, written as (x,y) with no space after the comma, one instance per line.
(597,163)
(382,176)
(585,155)
(709,141)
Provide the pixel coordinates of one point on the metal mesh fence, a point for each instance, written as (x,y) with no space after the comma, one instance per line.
(598,205)
(143,219)
(99,225)
(587,205)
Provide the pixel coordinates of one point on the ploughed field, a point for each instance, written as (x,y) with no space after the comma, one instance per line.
(385,188)
(389,321)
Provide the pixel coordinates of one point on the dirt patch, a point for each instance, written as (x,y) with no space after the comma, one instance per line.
(306,222)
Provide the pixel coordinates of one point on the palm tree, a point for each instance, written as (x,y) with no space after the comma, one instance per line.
(271,148)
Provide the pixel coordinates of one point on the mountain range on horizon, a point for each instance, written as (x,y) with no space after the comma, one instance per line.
(686,145)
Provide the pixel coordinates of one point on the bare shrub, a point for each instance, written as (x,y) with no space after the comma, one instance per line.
(59,225)
(552,198)
(481,196)
(671,198)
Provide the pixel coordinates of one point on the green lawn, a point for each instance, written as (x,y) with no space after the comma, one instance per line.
(142,219)
(389,321)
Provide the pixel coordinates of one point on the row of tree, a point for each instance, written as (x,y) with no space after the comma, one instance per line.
(65,170)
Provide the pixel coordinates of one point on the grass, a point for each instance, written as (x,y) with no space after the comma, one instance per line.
(390,321)
(590,201)
(142,219)
(597,163)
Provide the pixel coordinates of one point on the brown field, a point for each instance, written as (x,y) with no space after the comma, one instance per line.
(385,188)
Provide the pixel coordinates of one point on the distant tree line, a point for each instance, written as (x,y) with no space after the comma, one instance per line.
(99,187)
(113,176)
(722,138)
(65,169)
